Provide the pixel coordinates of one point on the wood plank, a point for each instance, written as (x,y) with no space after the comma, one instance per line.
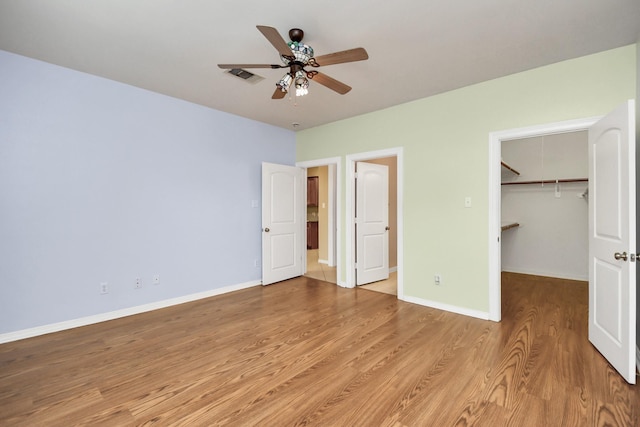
(509,225)
(308,352)
(509,168)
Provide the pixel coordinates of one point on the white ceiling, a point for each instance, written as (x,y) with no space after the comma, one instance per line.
(416,48)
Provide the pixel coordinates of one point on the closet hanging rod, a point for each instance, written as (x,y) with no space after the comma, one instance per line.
(547,181)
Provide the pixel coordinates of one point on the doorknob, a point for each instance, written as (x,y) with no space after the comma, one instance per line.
(266,230)
(387,228)
(634,257)
(622,256)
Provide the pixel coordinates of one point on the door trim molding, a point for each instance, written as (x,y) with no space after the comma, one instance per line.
(334,252)
(351,159)
(495,190)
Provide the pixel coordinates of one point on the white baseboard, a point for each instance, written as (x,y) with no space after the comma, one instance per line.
(323,261)
(103,317)
(393,269)
(545,274)
(450,308)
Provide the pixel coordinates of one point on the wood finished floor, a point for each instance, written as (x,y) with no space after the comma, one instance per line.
(305,352)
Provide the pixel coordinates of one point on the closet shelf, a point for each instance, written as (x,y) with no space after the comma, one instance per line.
(509,225)
(509,168)
(546,181)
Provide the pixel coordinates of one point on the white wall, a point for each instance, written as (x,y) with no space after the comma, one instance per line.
(552,239)
(104,182)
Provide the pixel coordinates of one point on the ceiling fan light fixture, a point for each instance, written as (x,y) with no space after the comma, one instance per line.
(301,83)
(284,82)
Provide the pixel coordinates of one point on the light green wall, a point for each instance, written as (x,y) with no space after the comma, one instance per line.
(446,154)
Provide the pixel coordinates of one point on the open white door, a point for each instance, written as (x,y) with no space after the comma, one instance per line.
(282,222)
(612,239)
(372,223)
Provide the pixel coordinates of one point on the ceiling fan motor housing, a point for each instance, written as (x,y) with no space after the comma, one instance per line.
(296,34)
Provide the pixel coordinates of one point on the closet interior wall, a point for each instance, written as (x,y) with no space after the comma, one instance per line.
(552,236)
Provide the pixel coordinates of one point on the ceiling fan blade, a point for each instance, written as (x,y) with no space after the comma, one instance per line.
(275,39)
(278,94)
(231,66)
(351,55)
(331,83)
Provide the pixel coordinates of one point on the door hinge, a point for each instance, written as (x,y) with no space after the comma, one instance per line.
(355,175)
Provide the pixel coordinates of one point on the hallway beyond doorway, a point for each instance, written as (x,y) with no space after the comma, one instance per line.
(388,286)
(321,271)
(318,270)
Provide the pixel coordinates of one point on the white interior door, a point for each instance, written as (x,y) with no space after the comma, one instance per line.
(372,223)
(282,222)
(612,239)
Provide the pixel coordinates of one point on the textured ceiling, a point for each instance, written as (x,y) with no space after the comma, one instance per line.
(416,48)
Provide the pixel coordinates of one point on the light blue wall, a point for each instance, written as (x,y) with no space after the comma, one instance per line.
(100,181)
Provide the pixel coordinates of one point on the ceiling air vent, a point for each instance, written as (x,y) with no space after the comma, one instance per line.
(245,75)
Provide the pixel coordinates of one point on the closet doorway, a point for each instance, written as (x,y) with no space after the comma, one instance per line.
(496,222)
(544,206)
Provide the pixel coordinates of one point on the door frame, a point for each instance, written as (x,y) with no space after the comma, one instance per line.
(350,240)
(334,175)
(495,194)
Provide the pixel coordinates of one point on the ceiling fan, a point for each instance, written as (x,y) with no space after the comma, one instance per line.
(296,56)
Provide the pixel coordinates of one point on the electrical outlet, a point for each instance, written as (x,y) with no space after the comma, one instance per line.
(138,283)
(437,279)
(156,279)
(104,288)
(256,263)
(467,202)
